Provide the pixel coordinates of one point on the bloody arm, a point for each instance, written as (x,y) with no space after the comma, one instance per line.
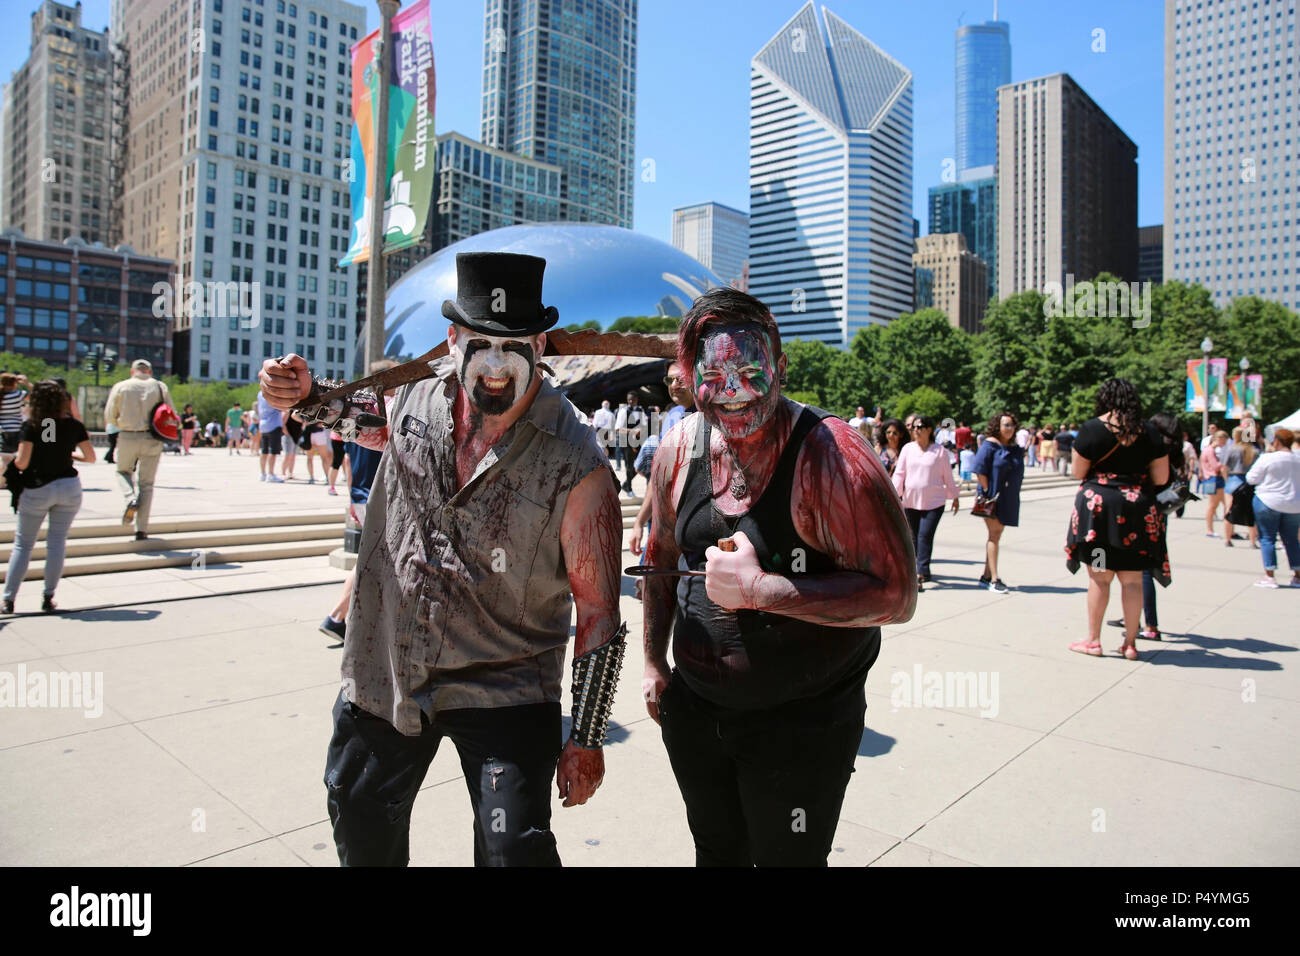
(846,506)
(591,536)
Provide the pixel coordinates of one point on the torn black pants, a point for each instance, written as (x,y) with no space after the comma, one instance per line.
(508,756)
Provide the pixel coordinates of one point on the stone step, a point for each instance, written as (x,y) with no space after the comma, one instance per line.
(163,557)
(177,525)
(122,541)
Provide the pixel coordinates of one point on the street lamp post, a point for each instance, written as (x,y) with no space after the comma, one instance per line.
(1206,347)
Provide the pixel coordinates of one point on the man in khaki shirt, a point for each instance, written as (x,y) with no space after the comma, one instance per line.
(130,404)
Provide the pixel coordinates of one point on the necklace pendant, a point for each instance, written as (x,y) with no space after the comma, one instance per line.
(737,486)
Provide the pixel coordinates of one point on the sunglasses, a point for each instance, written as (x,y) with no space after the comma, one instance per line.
(678,381)
(916,428)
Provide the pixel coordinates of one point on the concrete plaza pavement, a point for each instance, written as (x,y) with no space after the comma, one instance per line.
(216,713)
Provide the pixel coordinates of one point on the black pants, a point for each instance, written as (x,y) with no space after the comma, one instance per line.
(923,525)
(761,788)
(1149,599)
(112,447)
(508,756)
(628,454)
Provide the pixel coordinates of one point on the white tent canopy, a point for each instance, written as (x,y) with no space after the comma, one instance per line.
(1291,422)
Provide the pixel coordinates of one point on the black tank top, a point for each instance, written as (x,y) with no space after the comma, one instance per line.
(751,660)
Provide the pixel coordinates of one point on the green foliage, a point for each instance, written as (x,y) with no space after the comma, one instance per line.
(646,324)
(589,324)
(922,400)
(805,398)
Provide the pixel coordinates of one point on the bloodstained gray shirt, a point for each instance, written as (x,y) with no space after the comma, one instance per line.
(462,597)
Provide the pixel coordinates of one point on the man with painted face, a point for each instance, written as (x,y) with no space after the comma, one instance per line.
(805,552)
(495,512)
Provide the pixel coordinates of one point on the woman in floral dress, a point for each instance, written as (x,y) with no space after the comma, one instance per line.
(1117,529)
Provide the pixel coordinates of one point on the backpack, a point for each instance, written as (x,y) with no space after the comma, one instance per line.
(164,423)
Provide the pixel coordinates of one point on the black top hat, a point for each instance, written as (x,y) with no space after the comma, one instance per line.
(500,293)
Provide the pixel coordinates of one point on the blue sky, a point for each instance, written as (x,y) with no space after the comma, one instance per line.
(693,80)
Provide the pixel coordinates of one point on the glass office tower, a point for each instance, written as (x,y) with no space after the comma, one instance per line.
(983,64)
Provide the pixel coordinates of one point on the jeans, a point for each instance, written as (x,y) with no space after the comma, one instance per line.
(1270,524)
(923,525)
(138,448)
(761,789)
(508,756)
(61,500)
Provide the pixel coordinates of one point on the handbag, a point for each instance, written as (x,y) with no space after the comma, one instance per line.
(985,506)
(1174,495)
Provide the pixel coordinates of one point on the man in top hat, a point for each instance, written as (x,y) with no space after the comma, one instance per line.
(494,513)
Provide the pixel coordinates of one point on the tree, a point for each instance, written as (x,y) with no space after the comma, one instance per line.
(584,326)
(1268,334)
(922,400)
(646,324)
(918,349)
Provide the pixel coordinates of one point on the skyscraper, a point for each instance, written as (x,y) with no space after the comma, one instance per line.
(970,207)
(559,86)
(1232,158)
(830,180)
(56,130)
(234,134)
(716,235)
(955,279)
(1067,187)
(983,64)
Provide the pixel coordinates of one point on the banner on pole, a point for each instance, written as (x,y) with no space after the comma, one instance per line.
(1199,384)
(1236,396)
(412,148)
(1253,395)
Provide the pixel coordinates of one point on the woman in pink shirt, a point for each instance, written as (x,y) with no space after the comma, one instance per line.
(1212,479)
(923,477)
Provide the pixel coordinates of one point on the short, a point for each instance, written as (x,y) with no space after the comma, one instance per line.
(968,476)
(321,438)
(1210,486)
(1233,483)
(337,445)
(9,441)
(271,441)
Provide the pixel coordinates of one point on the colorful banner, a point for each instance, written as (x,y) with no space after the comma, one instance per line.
(412,149)
(1236,396)
(1198,386)
(1253,397)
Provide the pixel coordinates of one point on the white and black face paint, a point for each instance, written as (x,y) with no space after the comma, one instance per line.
(495,372)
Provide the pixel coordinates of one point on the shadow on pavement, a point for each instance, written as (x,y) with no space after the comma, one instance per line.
(874,744)
(615,733)
(113,614)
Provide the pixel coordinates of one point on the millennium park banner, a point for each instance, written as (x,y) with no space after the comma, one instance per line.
(1244,395)
(1199,384)
(412,150)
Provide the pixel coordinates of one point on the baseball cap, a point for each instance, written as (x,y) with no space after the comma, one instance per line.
(142,363)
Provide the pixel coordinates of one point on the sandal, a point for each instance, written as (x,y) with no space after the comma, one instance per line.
(1128,651)
(1091,648)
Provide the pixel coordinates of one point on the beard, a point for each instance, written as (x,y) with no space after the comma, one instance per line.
(494,403)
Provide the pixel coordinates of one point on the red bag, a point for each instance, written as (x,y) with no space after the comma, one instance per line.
(164,423)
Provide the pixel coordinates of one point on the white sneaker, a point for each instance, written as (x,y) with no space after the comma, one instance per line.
(261,477)
(1267,583)
(273,478)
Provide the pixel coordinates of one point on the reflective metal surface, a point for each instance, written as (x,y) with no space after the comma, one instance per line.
(592,272)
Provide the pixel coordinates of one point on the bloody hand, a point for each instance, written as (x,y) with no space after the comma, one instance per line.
(732,577)
(579,774)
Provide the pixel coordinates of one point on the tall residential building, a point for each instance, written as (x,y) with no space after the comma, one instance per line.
(970,206)
(1151,254)
(957,280)
(559,86)
(234,136)
(1232,174)
(1067,187)
(830,180)
(983,64)
(56,130)
(714,234)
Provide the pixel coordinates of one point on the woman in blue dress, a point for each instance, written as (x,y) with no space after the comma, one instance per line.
(1000,469)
